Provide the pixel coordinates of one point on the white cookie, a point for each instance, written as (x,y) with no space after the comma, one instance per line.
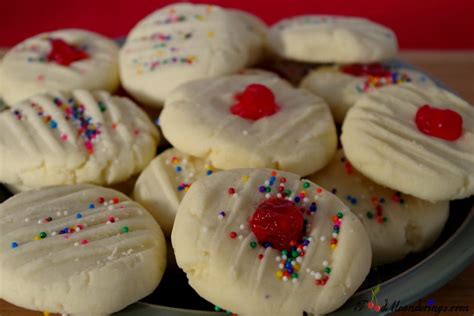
(397,224)
(327,39)
(341,86)
(183,42)
(297,134)
(227,264)
(80,249)
(382,139)
(162,185)
(41,64)
(79,137)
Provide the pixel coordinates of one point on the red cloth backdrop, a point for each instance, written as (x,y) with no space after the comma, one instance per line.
(424,24)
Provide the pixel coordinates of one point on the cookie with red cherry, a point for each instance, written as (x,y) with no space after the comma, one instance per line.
(342,85)
(414,139)
(250,121)
(62,60)
(266,237)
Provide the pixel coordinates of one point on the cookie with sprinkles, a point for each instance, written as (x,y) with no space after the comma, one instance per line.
(332,39)
(74,137)
(183,42)
(342,85)
(78,249)
(396,223)
(60,60)
(250,121)
(164,182)
(414,139)
(274,243)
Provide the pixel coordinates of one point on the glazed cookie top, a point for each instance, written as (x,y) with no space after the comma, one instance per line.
(78,249)
(61,60)
(164,182)
(183,42)
(332,39)
(342,85)
(275,244)
(414,139)
(396,223)
(78,137)
(250,120)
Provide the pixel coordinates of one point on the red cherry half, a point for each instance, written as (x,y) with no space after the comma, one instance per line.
(278,222)
(64,54)
(359,70)
(441,123)
(255,102)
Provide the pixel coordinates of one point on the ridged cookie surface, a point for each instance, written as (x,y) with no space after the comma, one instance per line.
(396,223)
(216,245)
(79,249)
(78,137)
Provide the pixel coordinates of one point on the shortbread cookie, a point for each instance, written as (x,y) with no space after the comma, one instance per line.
(244,121)
(396,223)
(162,185)
(79,137)
(61,60)
(80,249)
(414,139)
(275,244)
(183,42)
(341,86)
(256,25)
(328,39)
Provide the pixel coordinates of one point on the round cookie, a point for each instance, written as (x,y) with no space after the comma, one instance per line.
(332,39)
(183,42)
(164,182)
(248,120)
(80,249)
(263,242)
(342,85)
(74,137)
(414,139)
(397,224)
(61,60)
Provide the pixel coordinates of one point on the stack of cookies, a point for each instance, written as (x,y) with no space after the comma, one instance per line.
(267,211)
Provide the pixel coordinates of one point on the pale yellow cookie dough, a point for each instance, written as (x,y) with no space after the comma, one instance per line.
(183,42)
(396,223)
(381,139)
(164,182)
(341,90)
(77,137)
(214,245)
(332,39)
(26,71)
(300,137)
(79,249)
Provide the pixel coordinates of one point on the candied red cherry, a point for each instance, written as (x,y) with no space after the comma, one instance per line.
(65,54)
(374,70)
(441,123)
(278,222)
(255,102)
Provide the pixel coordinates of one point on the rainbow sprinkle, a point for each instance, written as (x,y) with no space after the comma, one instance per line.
(289,261)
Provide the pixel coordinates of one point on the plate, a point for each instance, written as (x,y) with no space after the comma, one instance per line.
(400,284)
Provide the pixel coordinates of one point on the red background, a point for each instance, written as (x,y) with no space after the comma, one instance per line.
(428,24)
